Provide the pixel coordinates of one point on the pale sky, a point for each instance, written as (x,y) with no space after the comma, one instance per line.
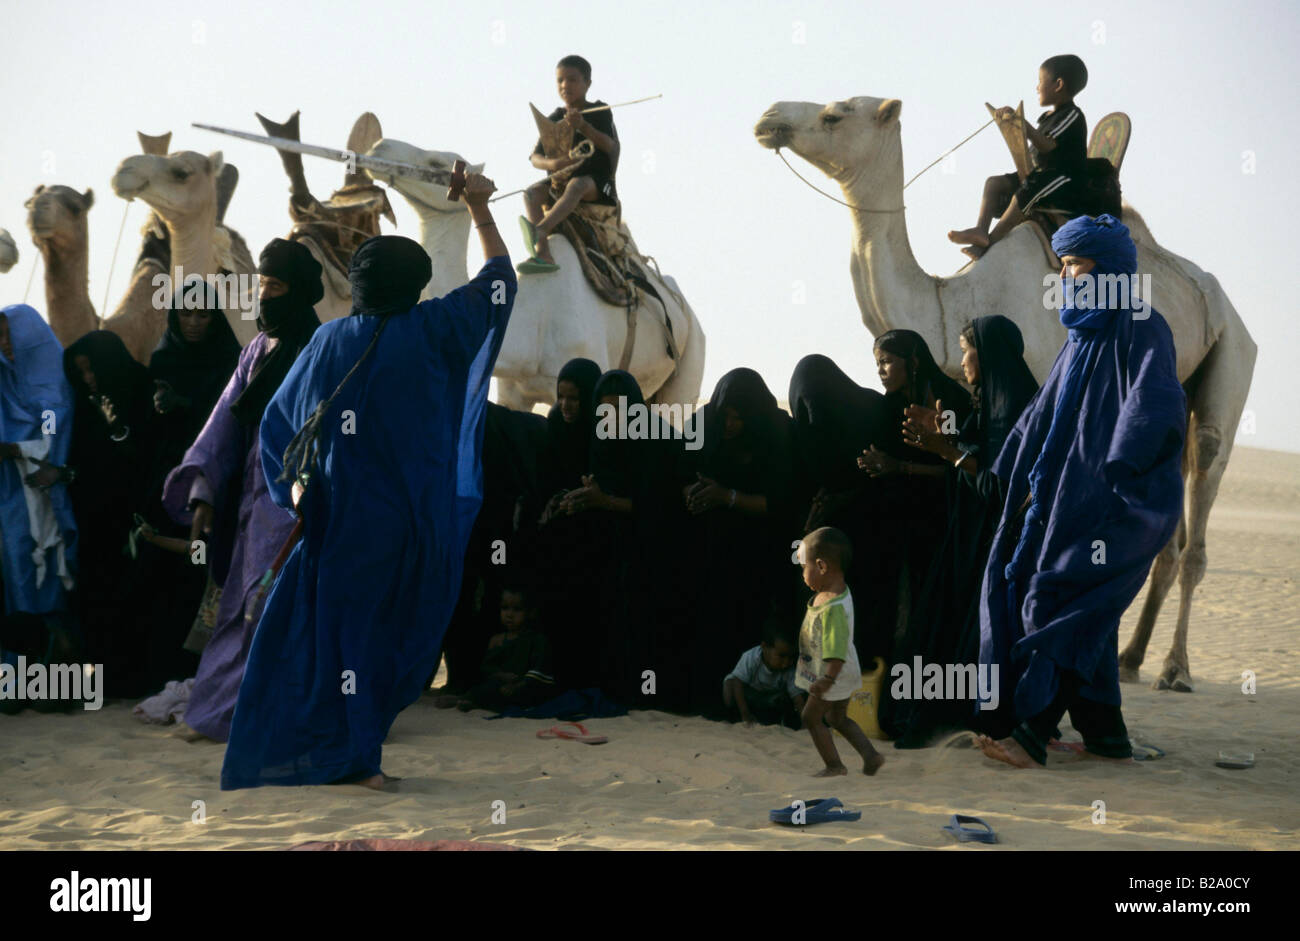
(1211,89)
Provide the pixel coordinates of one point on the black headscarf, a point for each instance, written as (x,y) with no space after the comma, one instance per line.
(758,458)
(568,444)
(929,382)
(387,274)
(199,371)
(288,319)
(118,375)
(1006,385)
(619,465)
(835,420)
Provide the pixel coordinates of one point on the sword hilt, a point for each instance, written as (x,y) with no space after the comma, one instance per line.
(457,186)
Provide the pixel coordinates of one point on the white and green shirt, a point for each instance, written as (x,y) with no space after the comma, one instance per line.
(827,634)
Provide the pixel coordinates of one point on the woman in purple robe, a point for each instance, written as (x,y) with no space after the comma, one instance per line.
(220,491)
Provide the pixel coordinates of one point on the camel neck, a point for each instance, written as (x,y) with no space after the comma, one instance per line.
(445,236)
(893,289)
(192,244)
(67,293)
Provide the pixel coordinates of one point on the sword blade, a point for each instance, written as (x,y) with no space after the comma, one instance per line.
(379,165)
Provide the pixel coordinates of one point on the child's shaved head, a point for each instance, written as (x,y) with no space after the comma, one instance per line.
(1070,70)
(830,545)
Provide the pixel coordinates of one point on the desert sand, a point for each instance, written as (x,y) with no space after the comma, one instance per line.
(106,781)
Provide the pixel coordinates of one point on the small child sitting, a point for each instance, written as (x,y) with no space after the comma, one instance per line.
(828,663)
(761,686)
(574,179)
(1059,150)
(516,669)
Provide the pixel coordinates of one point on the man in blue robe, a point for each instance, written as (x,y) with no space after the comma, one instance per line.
(38,535)
(1094,492)
(375,437)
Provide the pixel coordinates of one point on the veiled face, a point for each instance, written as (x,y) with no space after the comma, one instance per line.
(269,287)
(733,426)
(569,399)
(1073,266)
(194,324)
(82,363)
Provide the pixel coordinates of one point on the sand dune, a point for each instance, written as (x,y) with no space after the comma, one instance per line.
(105,781)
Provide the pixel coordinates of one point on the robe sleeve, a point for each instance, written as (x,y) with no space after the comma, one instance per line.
(459,323)
(1153,417)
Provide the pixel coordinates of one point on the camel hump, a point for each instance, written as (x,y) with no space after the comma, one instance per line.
(155,145)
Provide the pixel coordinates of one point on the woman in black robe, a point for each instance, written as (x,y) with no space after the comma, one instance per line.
(738,490)
(112,449)
(945,620)
(190,368)
(596,550)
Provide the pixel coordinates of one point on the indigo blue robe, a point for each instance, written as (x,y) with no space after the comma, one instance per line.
(1119,482)
(35,411)
(369,589)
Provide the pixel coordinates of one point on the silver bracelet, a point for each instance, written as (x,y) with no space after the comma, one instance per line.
(126,431)
(957,463)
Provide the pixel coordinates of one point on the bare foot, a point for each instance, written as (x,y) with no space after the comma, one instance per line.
(544,248)
(380,782)
(185,733)
(1007,749)
(969,237)
(872,764)
(831,772)
(974,252)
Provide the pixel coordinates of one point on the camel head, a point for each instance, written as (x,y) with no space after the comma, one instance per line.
(424,197)
(177,186)
(56,217)
(8,251)
(855,142)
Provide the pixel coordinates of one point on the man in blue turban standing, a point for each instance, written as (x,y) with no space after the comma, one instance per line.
(374,437)
(1094,492)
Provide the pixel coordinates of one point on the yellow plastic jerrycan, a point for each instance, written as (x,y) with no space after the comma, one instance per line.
(863,704)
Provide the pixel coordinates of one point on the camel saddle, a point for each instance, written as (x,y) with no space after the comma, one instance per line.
(339,225)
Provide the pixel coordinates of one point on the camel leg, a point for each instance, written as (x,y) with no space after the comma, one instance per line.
(1216,408)
(1162,579)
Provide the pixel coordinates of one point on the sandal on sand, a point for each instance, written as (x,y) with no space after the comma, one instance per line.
(821,810)
(582,734)
(1146,752)
(971,834)
(1236,761)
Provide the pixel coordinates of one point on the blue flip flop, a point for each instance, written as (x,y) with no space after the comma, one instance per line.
(530,235)
(534,265)
(821,810)
(970,834)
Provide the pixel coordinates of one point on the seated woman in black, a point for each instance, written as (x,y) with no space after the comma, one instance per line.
(945,619)
(593,550)
(112,440)
(737,488)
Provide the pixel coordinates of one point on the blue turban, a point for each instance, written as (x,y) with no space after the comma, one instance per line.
(1104,239)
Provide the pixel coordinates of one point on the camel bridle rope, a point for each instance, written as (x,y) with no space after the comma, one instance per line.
(915,177)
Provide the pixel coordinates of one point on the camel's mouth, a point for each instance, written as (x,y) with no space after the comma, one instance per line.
(129,187)
(772,136)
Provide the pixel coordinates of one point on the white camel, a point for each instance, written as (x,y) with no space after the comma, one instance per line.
(181,188)
(8,251)
(858,144)
(557,316)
